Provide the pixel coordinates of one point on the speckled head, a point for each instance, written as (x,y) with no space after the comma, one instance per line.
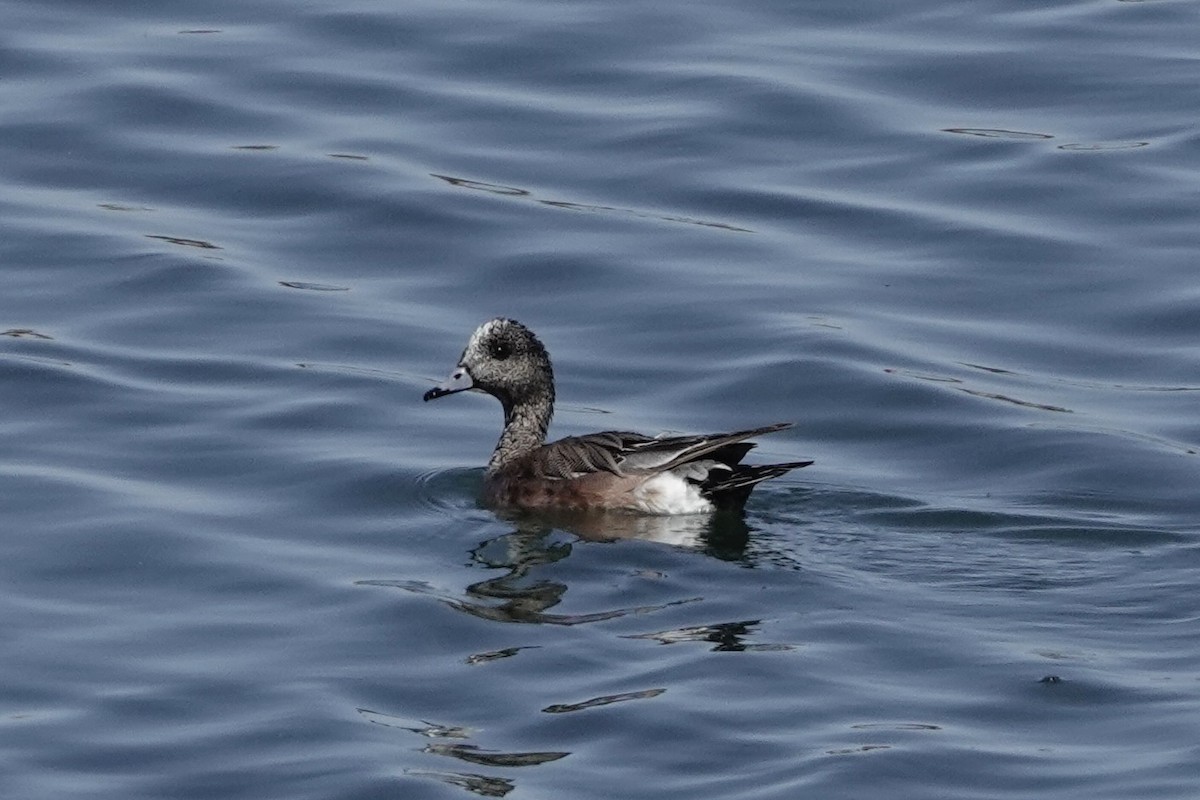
(506,360)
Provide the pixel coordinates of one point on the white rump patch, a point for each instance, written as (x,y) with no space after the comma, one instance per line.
(668,493)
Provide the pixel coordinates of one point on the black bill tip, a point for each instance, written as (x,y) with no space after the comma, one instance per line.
(435,393)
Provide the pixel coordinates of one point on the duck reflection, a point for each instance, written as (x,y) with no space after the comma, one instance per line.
(723,535)
(482,785)
(522,596)
(519,595)
(521,588)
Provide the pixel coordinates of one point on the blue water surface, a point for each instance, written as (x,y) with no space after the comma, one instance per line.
(955,243)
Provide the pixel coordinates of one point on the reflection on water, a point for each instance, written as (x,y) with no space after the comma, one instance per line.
(726,637)
(482,785)
(525,194)
(492,758)
(603,700)
(431,730)
(496,655)
(518,594)
(485,785)
(521,594)
(723,534)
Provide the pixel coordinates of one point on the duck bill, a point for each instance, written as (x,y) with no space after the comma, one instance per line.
(459,381)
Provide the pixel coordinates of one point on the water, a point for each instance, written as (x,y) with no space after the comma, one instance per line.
(955,243)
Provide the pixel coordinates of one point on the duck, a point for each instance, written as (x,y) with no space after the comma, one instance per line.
(609,470)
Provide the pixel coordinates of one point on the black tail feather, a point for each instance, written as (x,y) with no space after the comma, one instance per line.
(729,490)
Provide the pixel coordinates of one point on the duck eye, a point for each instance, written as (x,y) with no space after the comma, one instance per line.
(500,350)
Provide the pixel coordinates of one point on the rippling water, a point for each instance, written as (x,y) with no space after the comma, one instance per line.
(955,243)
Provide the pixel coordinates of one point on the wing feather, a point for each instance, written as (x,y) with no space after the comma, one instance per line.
(622,452)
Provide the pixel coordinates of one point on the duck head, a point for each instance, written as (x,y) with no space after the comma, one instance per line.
(506,360)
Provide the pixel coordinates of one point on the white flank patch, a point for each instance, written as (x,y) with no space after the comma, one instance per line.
(667,493)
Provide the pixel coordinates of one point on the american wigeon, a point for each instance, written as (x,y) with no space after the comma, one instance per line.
(609,470)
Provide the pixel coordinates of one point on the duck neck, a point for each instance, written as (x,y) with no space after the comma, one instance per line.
(525,426)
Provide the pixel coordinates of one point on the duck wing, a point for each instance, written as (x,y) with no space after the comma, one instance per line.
(623,452)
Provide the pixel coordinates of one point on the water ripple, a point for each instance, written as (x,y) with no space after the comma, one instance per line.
(957,249)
